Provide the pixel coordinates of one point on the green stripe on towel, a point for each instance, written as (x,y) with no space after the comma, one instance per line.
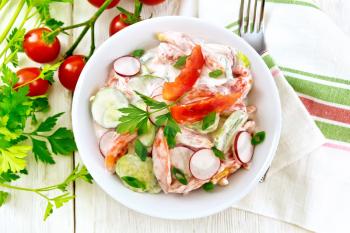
(320,91)
(334,132)
(317,76)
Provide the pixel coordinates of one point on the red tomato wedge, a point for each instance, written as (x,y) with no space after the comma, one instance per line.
(188,76)
(196,111)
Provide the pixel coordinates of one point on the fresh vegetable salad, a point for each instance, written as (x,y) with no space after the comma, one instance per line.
(175,118)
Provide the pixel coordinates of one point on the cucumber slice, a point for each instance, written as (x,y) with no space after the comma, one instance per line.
(147,139)
(105,105)
(224,136)
(145,85)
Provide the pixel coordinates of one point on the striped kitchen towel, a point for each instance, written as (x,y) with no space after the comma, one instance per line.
(313,54)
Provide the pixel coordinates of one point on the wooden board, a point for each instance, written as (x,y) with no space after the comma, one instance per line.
(94,210)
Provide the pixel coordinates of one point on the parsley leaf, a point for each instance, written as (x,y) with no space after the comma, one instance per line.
(180,63)
(141,150)
(41,152)
(62,141)
(48,210)
(133,182)
(138,53)
(215,73)
(3,197)
(179,175)
(15,43)
(208,120)
(13,158)
(8,176)
(49,123)
(77,173)
(170,130)
(61,199)
(53,23)
(133,118)
(218,153)
(258,138)
(9,78)
(152,103)
(48,71)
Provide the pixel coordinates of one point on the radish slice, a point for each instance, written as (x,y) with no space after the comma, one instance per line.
(204,164)
(127,66)
(242,147)
(153,116)
(107,141)
(180,158)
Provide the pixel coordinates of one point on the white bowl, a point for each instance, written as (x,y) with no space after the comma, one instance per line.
(173,206)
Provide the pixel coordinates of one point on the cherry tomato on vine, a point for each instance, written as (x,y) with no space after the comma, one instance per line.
(37,49)
(70,70)
(151,2)
(98,3)
(27,76)
(117,24)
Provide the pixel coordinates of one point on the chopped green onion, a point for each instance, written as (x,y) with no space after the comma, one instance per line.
(208,186)
(179,175)
(208,120)
(218,153)
(138,53)
(258,138)
(180,62)
(215,73)
(133,182)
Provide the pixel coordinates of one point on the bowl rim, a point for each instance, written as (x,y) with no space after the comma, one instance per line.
(224,204)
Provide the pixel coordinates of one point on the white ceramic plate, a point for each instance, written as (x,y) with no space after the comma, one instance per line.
(171,206)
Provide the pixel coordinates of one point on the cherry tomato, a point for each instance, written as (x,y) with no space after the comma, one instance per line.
(26,77)
(70,70)
(187,78)
(151,2)
(37,49)
(196,111)
(117,24)
(98,3)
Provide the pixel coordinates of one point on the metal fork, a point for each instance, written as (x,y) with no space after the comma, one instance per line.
(251,29)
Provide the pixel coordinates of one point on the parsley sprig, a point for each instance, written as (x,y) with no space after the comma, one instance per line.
(79,173)
(136,119)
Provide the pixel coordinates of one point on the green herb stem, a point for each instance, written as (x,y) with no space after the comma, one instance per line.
(12,20)
(92,45)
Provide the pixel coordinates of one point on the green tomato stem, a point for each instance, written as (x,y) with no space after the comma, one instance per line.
(92,46)
(12,20)
(90,24)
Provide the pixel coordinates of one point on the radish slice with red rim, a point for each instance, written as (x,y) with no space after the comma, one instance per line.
(107,141)
(242,147)
(127,66)
(204,164)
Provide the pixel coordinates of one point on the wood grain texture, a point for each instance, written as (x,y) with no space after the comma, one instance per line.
(24,212)
(96,212)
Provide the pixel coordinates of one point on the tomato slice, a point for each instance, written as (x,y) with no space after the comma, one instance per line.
(196,111)
(187,78)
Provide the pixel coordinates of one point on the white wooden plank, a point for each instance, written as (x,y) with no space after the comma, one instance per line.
(24,211)
(97,212)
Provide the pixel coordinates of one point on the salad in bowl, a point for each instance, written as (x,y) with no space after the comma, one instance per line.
(175,117)
(170,105)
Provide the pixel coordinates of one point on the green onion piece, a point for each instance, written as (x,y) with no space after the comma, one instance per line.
(208,186)
(258,138)
(179,175)
(138,53)
(215,73)
(218,153)
(133,182)
(180,62)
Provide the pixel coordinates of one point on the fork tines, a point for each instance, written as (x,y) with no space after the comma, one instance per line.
(248,19)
